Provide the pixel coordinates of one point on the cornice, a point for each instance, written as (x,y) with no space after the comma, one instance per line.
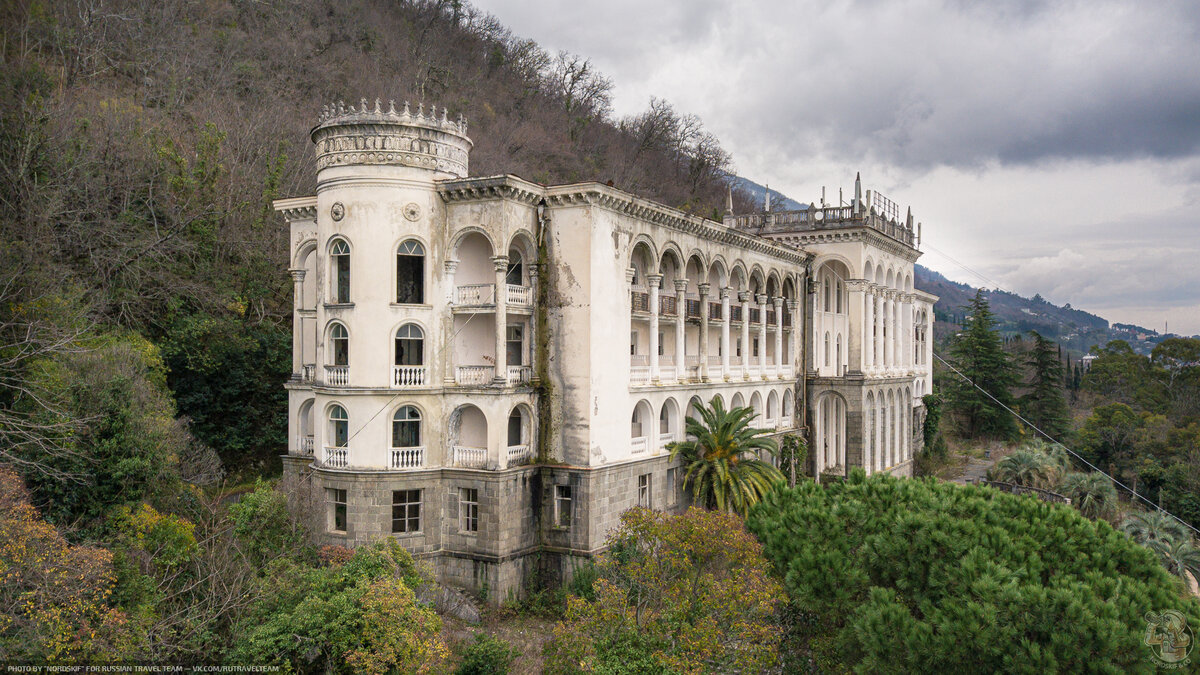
(618,201)
(859,233)
(296,208)
(491,188)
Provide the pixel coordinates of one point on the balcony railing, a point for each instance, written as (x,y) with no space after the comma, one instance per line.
(663,439)
(667,305)
(468,457)
(519,375)
(406,458)
(692,307)
(309,373)
(714,360)
(337,458)
(639,374)
(637,445)
(714,311)
(787,319)
(337,376)
(785,423)
(476,294)
(639,360)
(519,455)
(771,317)
(641,301)
(521,296)
(474,375)
(735,313)
(305,445)
(409,376)
(755,314)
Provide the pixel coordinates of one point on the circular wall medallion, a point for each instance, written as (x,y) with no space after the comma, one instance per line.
(337,211)
(412,211)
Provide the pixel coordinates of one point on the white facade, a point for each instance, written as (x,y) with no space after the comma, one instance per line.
(452,329)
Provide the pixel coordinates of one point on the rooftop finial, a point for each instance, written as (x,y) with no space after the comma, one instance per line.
(729,200)
(767,199)
(857,192)
(908,220)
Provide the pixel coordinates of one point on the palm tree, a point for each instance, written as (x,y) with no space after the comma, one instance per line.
(1153,526)
(1179,556)
(720,461)
(1026,467)
(1092,493)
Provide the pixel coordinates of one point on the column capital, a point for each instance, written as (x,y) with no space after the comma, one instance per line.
(744,296)
(501,263)
(793,305)
(451,266)
(724,293)
(653,280)
(761,298)
(859,285)
(778,302)
(704,289)
(630,273)
(681,285)
(298,274)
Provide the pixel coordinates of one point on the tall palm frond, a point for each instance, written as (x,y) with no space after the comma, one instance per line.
(1092,493)
(720,462)
(1027,467)
(1179,556)
(1150,526)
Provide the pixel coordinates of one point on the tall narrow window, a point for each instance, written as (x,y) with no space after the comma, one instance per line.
(339,339)
(410,273)
(410,345)
(672,486)
(335,509)
(406,428)
(562,505)
(839,297)
(406,511)
(514,344)
(515,422)
(339,257)
(635,426)
(516,270)
(664,421)
(643,491)
(468,509)
(827,350)
(633,343)
(339,426)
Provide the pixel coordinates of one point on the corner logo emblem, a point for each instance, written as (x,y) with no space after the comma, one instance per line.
(1169,637)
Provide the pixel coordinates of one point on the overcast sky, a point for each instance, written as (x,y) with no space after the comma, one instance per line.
(1051,147)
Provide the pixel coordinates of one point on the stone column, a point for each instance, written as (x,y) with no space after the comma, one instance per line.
(533,335)
(704,289)
(907,336)
(877,341)
(796,336)
(652,281)
(501,264)
(778,302)
(762,335)
(889,330)
(725,333)
(856,326)
(868,349)
(297,322)
(744,298)
(680,325)
(451,267)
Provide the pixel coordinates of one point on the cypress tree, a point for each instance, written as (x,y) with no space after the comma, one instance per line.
(979,354)
(1045,405)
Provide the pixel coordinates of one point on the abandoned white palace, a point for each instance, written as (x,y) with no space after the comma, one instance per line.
(489,369)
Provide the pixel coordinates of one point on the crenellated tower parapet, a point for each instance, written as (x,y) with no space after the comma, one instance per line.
(349,136)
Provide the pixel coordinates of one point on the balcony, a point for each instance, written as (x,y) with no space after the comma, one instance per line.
(638,445)
(337,376)
(664,439)
(519,455)
(474,376)
(336,458)
(640,300)
(755,314)
(735,313)
(475,295)
(770,317)
(692,306)
(309,373)
(785,423)
(667,306)
(406,458)
(409,376)
(468,457)
(714,311)
(518,375)
(519,296)
(304,445)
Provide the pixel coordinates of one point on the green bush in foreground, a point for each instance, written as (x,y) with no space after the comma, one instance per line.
(925,576)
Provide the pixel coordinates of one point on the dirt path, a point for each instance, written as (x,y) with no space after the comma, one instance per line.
(973,470)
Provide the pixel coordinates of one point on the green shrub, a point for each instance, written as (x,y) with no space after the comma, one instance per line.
(486,656)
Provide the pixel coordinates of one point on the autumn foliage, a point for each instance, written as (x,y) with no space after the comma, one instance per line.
(54,597)
(688,594)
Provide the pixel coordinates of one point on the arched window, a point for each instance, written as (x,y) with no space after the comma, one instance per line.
(828,292)
(410,273)
(339,265)
(406,428)
(839,351)
(772,401)
(827,349)
(664,420)
(339,426)
(516,424)
(515,274)
(339,340)
(635,425)
(410,345)
(839,297)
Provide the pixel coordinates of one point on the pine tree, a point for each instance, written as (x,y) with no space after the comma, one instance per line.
(979,355)
(1045,405)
